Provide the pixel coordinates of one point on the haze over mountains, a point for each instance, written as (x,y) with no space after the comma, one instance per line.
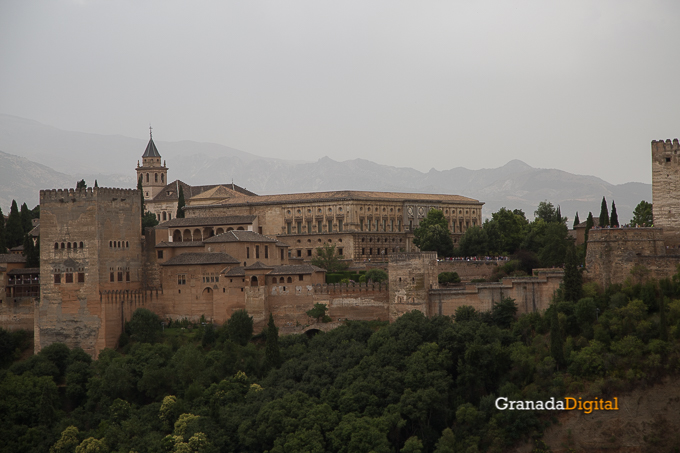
(35,156)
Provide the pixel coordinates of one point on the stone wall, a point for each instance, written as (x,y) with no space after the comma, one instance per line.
(469,270)
(411,277)
(614,252)
(531,294)
(17,313)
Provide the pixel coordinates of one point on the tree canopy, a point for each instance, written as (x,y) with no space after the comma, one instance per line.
(433,234)
(328,258)
(642,214)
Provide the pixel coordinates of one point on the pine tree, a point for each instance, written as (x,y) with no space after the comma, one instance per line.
(26,219)
(3,243)
(614,221)
(81,184)
(14,231)
(604,214)
(573,280)
(180,204)
(556,341)
(272,353)
(576,220)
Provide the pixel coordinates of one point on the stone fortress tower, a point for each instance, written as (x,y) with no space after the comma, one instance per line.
(154,175)
(91,266)
(666,189)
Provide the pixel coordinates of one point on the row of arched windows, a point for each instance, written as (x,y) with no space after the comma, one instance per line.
(119,244)
(156,177)
(68,245)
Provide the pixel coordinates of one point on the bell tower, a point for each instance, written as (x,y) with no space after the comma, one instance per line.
(154,175)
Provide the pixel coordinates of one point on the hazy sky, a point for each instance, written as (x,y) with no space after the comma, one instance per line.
(575,85)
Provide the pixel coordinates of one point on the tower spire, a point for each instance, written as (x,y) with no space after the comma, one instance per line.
(150,131)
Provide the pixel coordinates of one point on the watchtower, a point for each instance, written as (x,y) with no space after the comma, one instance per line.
(666,189)
(91,249)
(154,175)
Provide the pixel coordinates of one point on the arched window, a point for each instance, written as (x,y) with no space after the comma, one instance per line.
(62,245)
(164,216)
(147,177)
(56,246)
(75,245)
(81,245)
(127,244)
(253,281)
(68,245)
(110,244)
(274,281)
(118,244)
(156,176)
(290,280)
(162,177)
(281,280)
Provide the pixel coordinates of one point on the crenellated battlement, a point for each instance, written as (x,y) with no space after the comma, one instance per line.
(661,146)
(91,193)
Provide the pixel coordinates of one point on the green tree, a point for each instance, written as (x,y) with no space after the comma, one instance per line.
(573,280)
(503,313)
(376,275)
(31,252)
(240,327)
(327,258)
(95,183)
(92,445)
(448,277)
(505,231)
(474,242)
(614,220)
(3,242)
(642,214)
(604,214)
(576,220)
(433,234)
(180,204)
(272,354)
(81,184)
(145,326)
(590,222)
(149,220)
(556,341)
(546,211)
(14,231)
(318,312)
(68,441)
(412,445)
(26,218)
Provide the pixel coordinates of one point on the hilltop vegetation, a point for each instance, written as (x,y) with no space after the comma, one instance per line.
(417,384)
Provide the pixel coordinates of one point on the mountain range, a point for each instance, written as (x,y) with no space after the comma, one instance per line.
(35,156)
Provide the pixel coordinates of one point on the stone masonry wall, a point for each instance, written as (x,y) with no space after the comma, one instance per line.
(411,277)
(469,270)
(666,189)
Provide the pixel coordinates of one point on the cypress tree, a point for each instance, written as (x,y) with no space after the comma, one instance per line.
(576,220)
(141,196)
(573,280)
(180,204)
(558,215)
(14,231)
(31,252)
(556,341)
(604,214)
(614,221)
(26,219)
(3,243)
(272,354)
(663,327)
(589,224)
(95,183)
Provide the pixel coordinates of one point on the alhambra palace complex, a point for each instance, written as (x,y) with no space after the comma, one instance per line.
(235,249)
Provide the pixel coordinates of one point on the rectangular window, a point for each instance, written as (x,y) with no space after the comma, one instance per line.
(111,277)
(281,254)
(288,228)
(361,224)
(127,276)
(57,279)
(376,224)
(299,227)
(384,224)
(330,226)
(309,252)
(169,216)
(368,224)
(299,253)
(301,277)
(453,227)
(363,251)
(120,276)
(370,251)
(181,279)
(160,254)
(248,252)
(410,225)
(340,251)
(340,225)
(319,226)
(266,251)
(309,227)
(257,252)
(399,225)
(81,277)
(392,225)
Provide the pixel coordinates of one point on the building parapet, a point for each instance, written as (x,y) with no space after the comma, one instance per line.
(339,288)
(413,256)
(84,194)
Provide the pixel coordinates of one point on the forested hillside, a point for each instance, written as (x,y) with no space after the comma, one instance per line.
(417,384)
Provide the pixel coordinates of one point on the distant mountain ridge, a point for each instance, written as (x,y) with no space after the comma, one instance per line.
(66,157)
